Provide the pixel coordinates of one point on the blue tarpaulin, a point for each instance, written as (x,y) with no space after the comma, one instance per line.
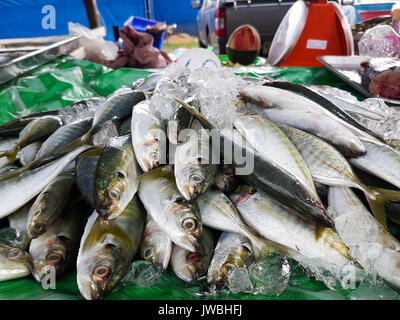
(175,11)
(33,18)
(24,18)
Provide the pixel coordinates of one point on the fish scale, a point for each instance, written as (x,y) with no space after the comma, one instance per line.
(326,164)
(381,160)
(165,204)
(273,144)
(115,160)
(227,218)
(118,105)
(63,136)
(111,244)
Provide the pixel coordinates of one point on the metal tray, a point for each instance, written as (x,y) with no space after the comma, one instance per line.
(21,55)
(346,68)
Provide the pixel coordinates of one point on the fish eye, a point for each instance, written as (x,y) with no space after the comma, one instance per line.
(155,156)
(102,272)
(196,178)
(119,174)
(227,267)
(53,258)
(114,194)
(13,253)
(189,224)
(36,213)
(147,253)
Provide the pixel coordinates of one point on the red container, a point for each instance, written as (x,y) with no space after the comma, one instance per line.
(366,15)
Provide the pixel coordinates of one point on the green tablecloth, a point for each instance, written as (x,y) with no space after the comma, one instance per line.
(65,80)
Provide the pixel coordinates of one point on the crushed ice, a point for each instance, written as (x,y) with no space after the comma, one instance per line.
(214,90)
(142,274)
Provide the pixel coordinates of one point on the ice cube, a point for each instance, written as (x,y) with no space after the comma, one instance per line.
(143,274)
(270,276)
(11,236)
(239,280)
(106,135)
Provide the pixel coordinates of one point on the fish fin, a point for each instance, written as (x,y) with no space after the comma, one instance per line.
(262,246)
(95,152)
(377,206)
(105,231)
(333,239)
(204,122)
(85,139)
(166,171)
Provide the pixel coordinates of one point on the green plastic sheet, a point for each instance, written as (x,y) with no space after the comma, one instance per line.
(66,80)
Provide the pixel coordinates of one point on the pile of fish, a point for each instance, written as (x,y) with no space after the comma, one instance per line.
(108,181)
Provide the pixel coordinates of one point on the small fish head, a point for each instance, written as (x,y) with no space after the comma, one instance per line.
(185,223)
(56,252)
(236,258)
(156,250)
(109,199)
(242,194)
(226,181)
(152,155)
(39,214)
(100,272)
(14,262)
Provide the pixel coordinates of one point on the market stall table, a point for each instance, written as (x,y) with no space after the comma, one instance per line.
(66,80)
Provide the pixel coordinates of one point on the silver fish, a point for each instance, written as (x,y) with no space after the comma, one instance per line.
(179,219)
(115,180)
(218,212)
(18,221)
(232,251)
(321,126)
(380,160)
(373,247)
(49,205)
(190,266)
(327,165)
(194,171)
(107,249)
(34,131)
(274,146)
(14,262)
(148,137)
(156,247)
(28,153)
(277,224)
(30,184)
(58,247)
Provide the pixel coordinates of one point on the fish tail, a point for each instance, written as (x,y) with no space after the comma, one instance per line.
(204,122)
(16,172)
(377,206)
(164,171)
(263,247)
(75,144)
(333,239)
(11,154)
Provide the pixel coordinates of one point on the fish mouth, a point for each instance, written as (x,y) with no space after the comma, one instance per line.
(108,212)
(35,230)
(189,273)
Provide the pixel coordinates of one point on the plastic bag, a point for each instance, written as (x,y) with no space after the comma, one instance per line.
(96,48)
(380,41)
